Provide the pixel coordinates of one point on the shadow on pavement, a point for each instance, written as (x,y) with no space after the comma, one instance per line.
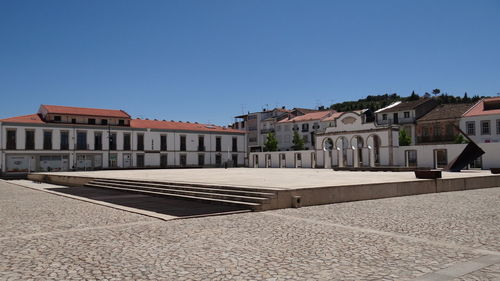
(163,205)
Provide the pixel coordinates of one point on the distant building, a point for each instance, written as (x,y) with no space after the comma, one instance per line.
(482,121)
(61,138)
(405,114)
(440,124)
(306,126)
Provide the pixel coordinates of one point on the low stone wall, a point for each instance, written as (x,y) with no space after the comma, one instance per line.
(347,193)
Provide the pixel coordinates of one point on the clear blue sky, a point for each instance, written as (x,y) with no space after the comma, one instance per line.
(208,60)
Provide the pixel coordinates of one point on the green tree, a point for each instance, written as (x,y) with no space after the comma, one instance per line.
(271,143)
(460,139)
(436,92)
(404,138)
(298,141)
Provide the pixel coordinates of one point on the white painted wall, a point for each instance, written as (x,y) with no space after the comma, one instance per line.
(493,137)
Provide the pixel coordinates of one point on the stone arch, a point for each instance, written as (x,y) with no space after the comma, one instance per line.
(357,154)
(342,145)
(374,142)
(328,146)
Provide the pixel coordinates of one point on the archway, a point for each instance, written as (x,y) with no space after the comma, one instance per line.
(374,144)
(358,144)
(327,150)
(342,145)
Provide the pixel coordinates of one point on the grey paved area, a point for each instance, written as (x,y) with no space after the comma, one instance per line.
(389,239)
(269,178)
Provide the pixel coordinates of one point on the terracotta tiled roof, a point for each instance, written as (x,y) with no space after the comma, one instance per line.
(318,115)
(180,126)
(487,106)
(408,105)
(32,119)
(333,116)
(57,109)
(446,111)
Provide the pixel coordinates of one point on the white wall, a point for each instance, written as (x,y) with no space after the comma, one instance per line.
(493,137)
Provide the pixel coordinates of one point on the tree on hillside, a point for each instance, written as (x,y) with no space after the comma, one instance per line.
(271,143)
(298,141)
(436,92)
(413,96)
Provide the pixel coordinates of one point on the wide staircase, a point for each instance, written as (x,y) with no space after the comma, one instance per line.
(255,199)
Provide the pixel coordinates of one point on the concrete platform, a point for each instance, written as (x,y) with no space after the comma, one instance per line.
(313,186)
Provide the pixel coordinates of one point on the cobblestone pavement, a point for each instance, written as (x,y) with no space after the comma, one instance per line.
(47,237)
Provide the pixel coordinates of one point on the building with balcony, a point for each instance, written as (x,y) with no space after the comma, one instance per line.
(405,114)
(440,124)
(61,138)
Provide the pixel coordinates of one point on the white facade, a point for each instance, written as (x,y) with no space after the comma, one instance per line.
(482,128)
(55,157)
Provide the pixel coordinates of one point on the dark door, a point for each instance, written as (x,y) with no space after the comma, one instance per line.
(163,161)
(235,160)
(396,119)
(140,160)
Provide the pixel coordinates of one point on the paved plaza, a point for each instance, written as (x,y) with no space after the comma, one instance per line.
(444,236)
(277,178)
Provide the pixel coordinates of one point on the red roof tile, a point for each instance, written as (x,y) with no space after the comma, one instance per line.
(32,118)
(180,126)
(318,115)
(57,109)
(479,108)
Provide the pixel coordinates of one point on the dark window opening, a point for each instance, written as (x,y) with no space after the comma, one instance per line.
(201,143)
(91,121)
(57,118)
(104,121)
(218,144)
(97,141)
(47,140)
(112,141)
(81,140)
(11,139)
(121,122)
(73,120)
(64,140)
(126,142)
(235,145)
(140,142)
(30,139)
(183,143)
(163,143)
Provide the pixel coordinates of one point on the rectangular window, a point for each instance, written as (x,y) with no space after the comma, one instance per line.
(11,139)
(425,131)
(485,127)
(81,140)
(437,130)
(91,121)
(64,140)
(163,142)
(57,118)
(305,127)
(406,114)
(440,158)
(47,140)
(235,144)
(97,141)
(306,138)
(384,116)
(201,160)
(121,122)
(470,128)
(30,140)
(218,144)
(411,158)
(183,143)
(126,141)
(201,143)
(73,120)
(104,122)
(112,141)
(140,142)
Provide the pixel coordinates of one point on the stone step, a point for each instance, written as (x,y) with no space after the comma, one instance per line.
(242,188)
(204,194)
(226,190)
(248,205)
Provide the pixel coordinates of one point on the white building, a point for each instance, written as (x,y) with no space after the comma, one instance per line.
(60,138)
(307,126)
(482,121)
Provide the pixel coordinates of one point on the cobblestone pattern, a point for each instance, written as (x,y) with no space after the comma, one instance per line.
(25,211)
(469,218)
(251,246)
